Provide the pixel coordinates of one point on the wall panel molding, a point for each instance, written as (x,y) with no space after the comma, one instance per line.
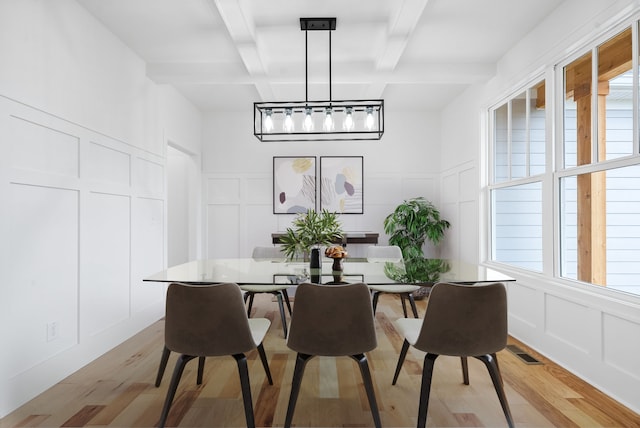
(581,329)
(71,201)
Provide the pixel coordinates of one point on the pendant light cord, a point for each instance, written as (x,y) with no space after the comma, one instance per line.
(306,66)
(330,99)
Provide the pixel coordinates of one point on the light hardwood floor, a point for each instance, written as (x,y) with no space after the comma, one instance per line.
(117,390)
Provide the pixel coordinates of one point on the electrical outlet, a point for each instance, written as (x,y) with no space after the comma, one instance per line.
(52,331)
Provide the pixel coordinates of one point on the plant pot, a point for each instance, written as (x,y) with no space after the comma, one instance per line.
(316,276)
(314,261)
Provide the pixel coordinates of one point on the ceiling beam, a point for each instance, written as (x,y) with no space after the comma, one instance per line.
(401,26)
(242,30)
(355,72)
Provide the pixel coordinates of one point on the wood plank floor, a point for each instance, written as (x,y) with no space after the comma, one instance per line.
(117,390)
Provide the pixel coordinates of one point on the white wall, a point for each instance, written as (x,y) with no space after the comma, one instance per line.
(82,185)
(589,330)
(238,185)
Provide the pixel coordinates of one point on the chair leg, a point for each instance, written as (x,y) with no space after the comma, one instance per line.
(376,296)
(285,294)
(282,315)
(403,354)
(163,364)
(465,370)
(368,386)
(492,365)
(412,302)
(301,362)
(171,392)
(200,370)
(425,388)
(251,296)
(246,389)
(404,305)
(265,364)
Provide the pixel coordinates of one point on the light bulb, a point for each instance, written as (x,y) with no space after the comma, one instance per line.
(328,120)
(348,120)
(369,119)
(268,121)
(307,125)
(287,126)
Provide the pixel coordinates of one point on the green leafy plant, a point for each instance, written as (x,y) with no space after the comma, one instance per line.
(412,223)
(417,271)
(311,230)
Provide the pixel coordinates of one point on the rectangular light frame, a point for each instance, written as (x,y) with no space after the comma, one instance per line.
(298,108)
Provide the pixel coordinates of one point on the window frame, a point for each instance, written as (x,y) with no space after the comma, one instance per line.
(541,77)
(559,170)
(554,168)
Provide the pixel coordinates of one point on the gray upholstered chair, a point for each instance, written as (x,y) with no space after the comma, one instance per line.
(208,321)
(332,320)
(391,253)
(268,254)
(463,321)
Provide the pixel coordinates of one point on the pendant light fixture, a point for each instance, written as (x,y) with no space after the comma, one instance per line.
(328,120)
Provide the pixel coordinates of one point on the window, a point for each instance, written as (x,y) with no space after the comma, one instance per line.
(518,134)
(600,173)
(596,173)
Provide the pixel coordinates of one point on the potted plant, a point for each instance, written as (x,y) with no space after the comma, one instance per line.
(309,232)
(412,223)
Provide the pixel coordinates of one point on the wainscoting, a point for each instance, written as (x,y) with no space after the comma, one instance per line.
(82,222)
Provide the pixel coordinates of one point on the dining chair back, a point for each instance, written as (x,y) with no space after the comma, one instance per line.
(332,320)
(208,321)
(280,291)
(268,253)
(391,253)
(464,321)
(384,253)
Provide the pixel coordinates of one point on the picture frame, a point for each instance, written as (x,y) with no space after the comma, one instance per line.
(294,184)
(342,184)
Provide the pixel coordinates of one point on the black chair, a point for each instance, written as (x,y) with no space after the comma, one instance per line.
(207,321)
(464,321)
(332,320)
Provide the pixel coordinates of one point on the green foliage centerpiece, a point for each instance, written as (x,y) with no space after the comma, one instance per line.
(310,231)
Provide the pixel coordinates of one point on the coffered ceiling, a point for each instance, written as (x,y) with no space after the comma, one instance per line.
(226,54)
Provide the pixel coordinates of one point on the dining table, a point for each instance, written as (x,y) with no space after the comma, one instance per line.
(249,271)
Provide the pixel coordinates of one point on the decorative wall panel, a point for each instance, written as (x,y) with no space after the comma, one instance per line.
(566,321)
(106,262)
(148,252)
(149,178)
(41,276)
(107,165)
(223,230)
(522,305)
(620,349)
(43,149)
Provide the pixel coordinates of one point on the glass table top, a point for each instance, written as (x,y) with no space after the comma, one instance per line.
(248,271)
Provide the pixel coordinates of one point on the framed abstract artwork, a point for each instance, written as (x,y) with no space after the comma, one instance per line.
(294,184)
(341,184)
